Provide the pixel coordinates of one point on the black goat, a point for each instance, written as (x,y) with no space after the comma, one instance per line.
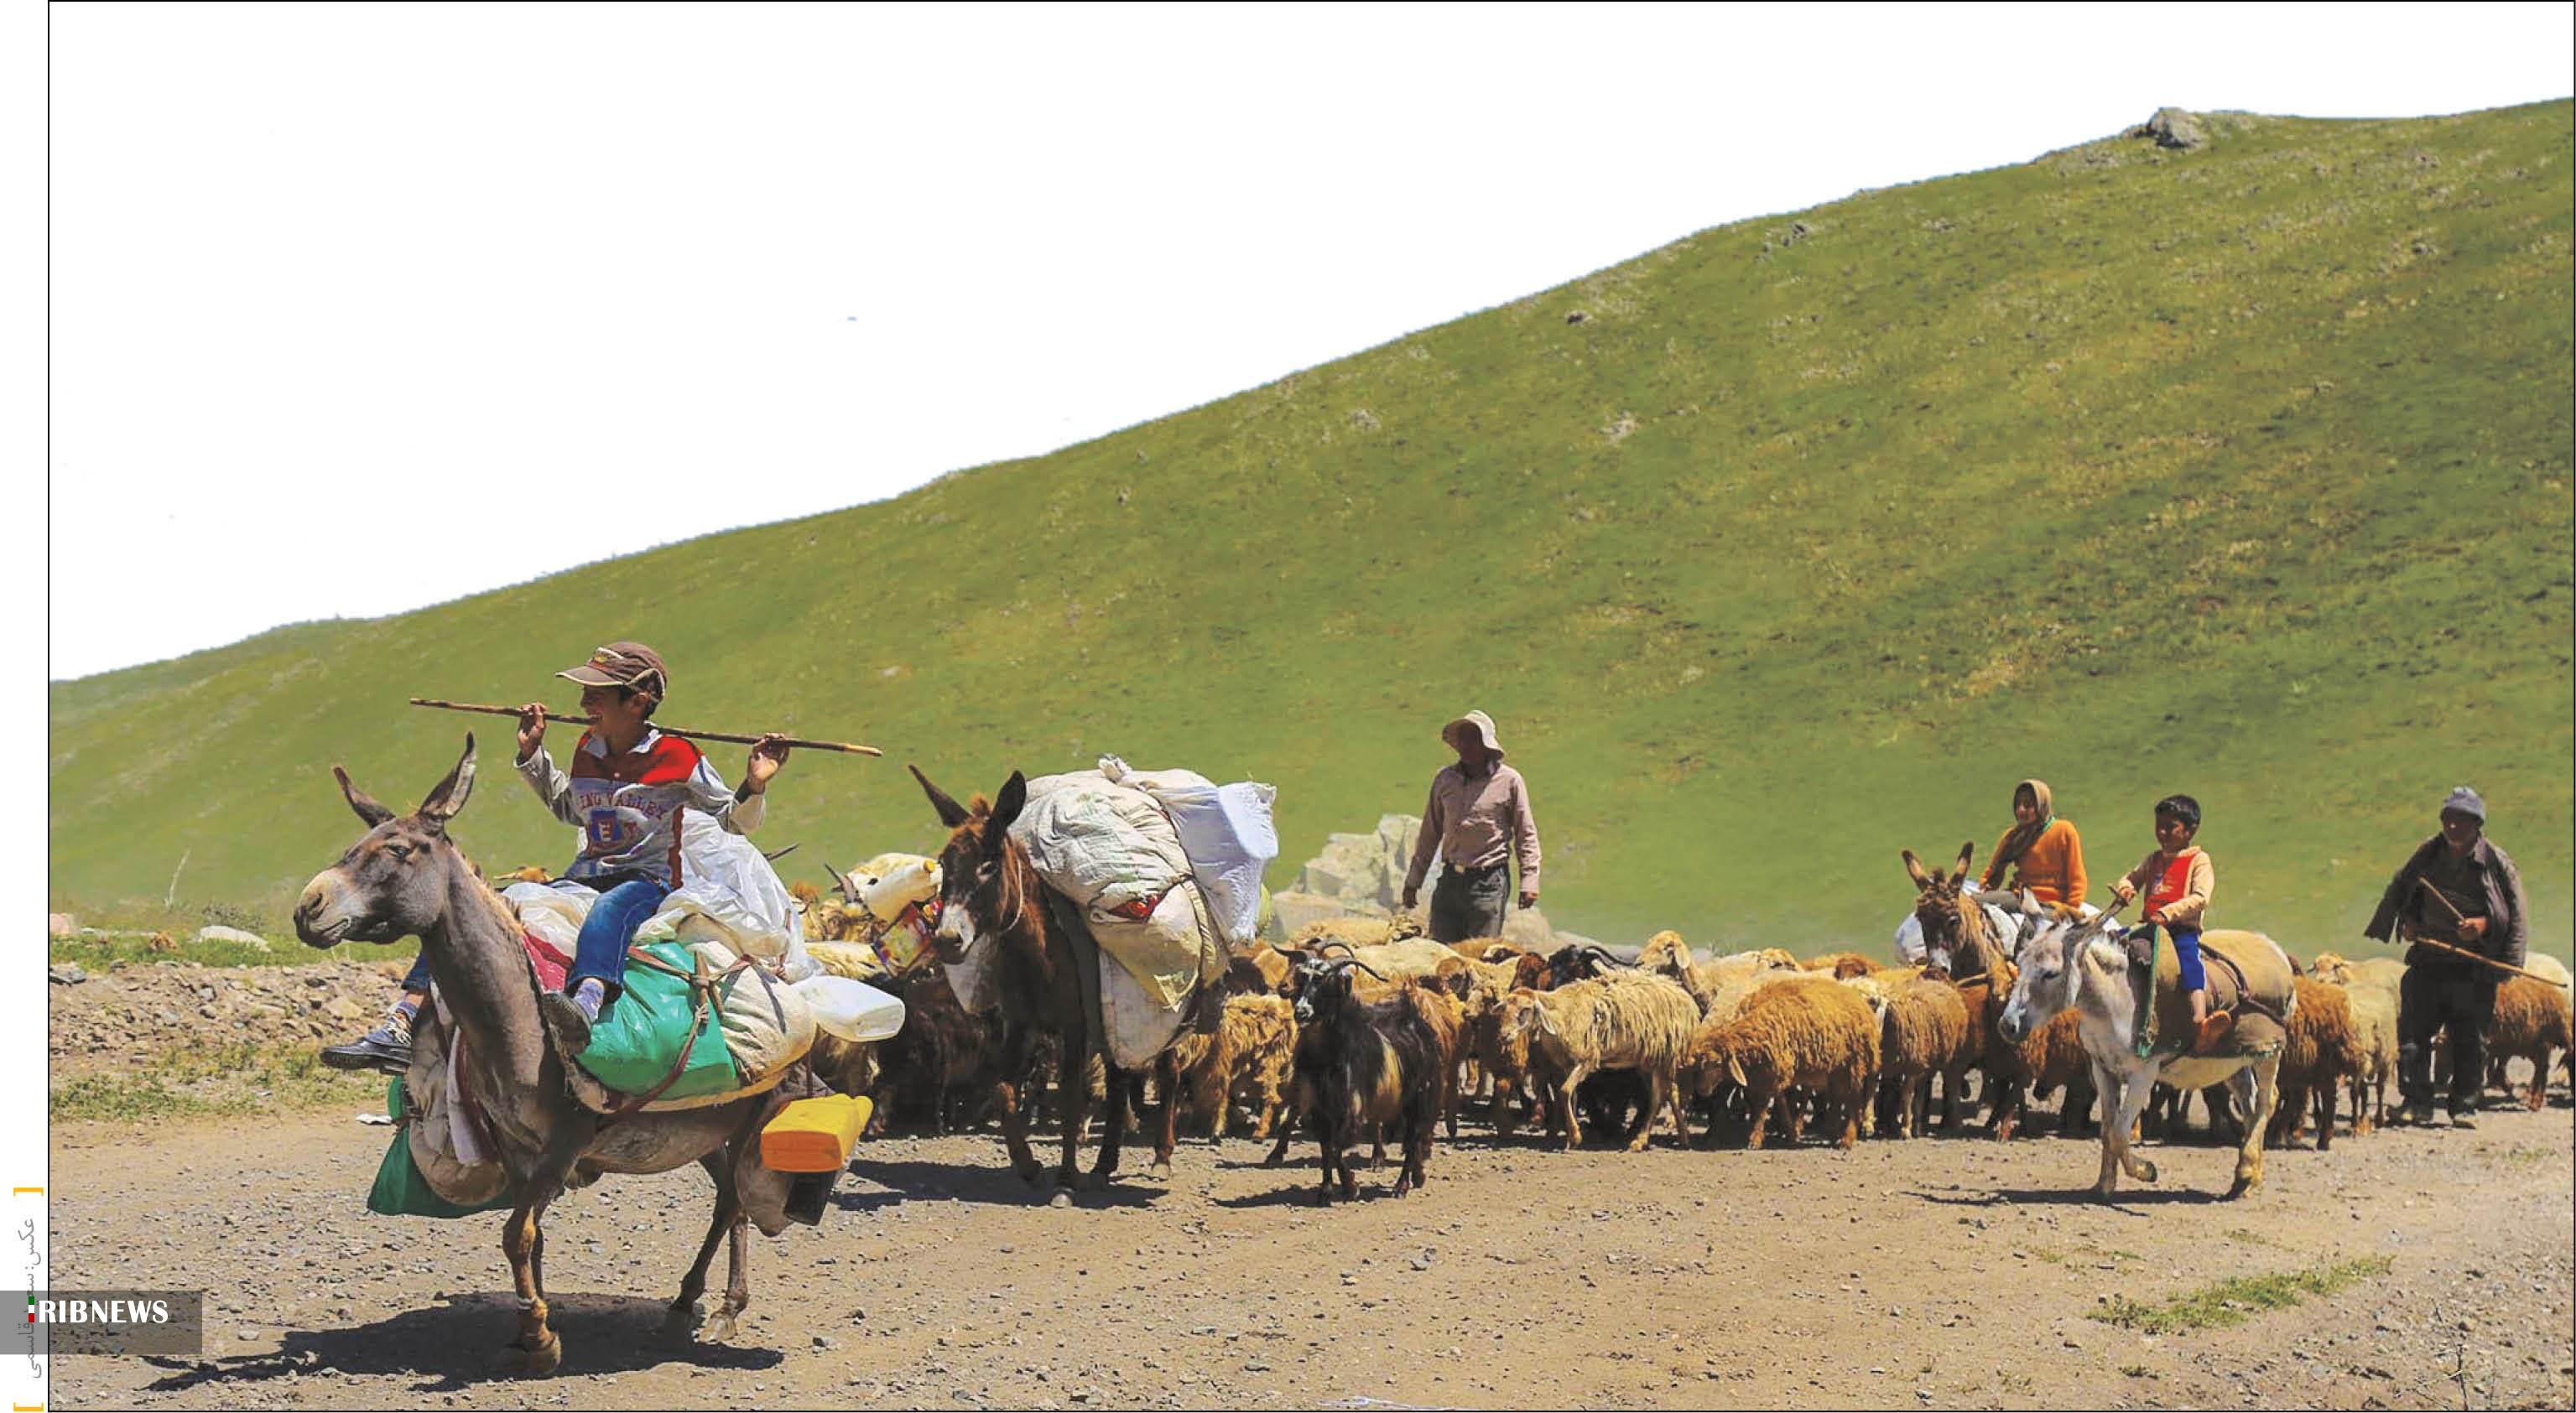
(1365,1064)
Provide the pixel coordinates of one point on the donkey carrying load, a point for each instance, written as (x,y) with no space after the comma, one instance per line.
(406,878)
(2083,965)
(1042,961)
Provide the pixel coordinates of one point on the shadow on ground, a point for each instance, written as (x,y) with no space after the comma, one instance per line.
(462,1341)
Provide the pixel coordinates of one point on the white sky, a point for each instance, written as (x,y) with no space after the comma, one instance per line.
(334,286)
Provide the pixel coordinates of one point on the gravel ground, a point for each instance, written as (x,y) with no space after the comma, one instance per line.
(1931,1273)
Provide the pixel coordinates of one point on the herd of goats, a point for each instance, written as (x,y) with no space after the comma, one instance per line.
(1360,1029)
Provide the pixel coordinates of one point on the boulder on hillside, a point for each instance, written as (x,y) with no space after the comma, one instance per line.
(1364,872)
(1293,912)
(233,934)
(61,925)
(2174,127)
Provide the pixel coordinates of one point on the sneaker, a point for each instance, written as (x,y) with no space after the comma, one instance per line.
(2213,1029)
(386,1048)
(570,1021)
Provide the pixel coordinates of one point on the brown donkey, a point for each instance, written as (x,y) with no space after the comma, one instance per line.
(406,878)
(992,898)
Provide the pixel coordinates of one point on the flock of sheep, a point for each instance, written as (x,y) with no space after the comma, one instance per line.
(1358,1031)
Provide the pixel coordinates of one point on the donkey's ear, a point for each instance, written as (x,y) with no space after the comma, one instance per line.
(1967,852)
(1006,808)
(951,813)
(448,795)
(359,800)
(1914,869)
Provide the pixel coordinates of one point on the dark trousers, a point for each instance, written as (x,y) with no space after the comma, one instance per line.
(1469,902)
(2437,996)
(605,933)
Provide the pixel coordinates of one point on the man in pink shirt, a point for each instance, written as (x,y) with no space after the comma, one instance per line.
(1479,820)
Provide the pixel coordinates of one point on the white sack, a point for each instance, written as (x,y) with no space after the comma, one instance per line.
(728,893)
(767,1025)
(1226,833)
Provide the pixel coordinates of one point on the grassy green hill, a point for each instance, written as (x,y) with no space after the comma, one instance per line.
(2242,471)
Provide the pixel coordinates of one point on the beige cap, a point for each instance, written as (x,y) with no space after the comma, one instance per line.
(1483,726)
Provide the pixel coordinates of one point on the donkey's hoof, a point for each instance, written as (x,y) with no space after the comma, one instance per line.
(717,1329)
(1063,1198)
(2146,1171)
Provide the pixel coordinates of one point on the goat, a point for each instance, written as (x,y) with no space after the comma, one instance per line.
(1364,1064)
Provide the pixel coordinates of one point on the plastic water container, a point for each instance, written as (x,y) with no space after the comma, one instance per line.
(850,1010)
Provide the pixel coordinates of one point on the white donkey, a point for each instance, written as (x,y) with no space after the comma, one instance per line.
(2084,966)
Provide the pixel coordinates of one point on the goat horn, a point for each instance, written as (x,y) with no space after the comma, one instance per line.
(1323,945)
(1373,971)
(782,853)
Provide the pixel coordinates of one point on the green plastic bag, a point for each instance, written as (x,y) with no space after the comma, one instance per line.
(400,1190)
(633,1045)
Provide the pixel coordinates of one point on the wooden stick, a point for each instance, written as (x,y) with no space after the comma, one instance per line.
(2436,895)
(733,736)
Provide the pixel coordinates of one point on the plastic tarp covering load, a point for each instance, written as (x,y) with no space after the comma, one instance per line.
(1112,849)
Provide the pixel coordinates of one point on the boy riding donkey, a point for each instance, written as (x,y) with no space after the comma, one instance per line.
(2178,879)
(627,789)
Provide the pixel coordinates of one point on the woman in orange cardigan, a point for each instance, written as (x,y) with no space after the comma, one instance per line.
(2042,850)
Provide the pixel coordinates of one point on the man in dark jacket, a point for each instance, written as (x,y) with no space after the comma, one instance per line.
(2461,889)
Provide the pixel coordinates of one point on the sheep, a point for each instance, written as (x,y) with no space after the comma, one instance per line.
(1719,984)
(1927,1031)
(2532,1018)
(1356,930)
(1841,964)
(1447,1017)
(1725,982)
(1811,1033)
(1395,961)
(1622,1020)
(1250,1054)
(1364,1065)
(2374,1028)
(2551,969)
(2324,1050)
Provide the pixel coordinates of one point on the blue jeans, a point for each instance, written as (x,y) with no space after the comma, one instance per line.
(601,950)
(416,980)
(2186,945)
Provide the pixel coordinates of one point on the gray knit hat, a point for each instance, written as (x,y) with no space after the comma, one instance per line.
(2463,800)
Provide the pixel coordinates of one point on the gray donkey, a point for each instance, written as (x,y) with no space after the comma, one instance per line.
(407,878)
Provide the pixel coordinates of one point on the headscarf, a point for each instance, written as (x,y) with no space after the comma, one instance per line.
(2018,841)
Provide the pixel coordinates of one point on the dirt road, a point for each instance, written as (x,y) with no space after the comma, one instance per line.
(1932,1273)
